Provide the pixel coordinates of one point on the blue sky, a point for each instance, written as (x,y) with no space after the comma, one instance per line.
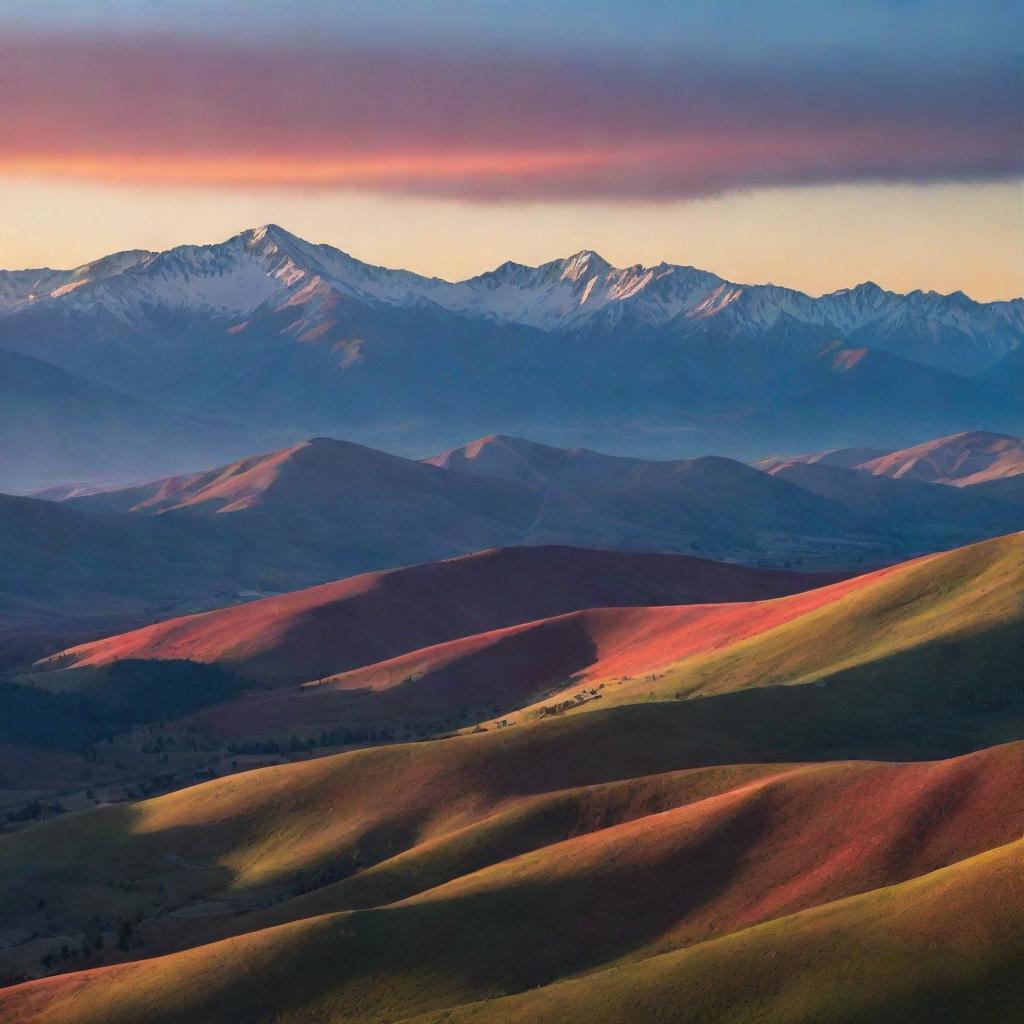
(908,30)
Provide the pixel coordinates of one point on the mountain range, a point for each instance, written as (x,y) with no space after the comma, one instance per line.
(323,509)
(267,339)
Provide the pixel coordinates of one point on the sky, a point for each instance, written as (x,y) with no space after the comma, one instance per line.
(813,144)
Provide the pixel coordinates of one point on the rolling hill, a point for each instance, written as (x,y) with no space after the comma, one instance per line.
(715,806)
(600,883)
(322,509)
(294,518)
(576,479)
(894,954)
(931,507)
(63,563)
(961,460)
(494,673)
(353,622)
(875,643)
(873,646)
(388,510)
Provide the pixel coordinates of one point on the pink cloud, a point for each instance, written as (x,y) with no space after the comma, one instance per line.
(478,127)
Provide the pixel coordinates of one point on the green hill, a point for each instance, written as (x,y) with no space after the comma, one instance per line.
(713,844)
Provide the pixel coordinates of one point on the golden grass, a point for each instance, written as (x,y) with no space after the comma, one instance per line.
(614,846)
(618,874)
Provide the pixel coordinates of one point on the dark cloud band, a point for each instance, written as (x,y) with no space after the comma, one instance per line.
(485,126)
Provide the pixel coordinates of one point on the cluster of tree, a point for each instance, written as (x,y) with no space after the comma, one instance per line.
(134,691)
(92,942)
(157,783)
(342,868)
(299,744)
(429,728)
(567,705)
(159,745)
(34,811)
(65,721)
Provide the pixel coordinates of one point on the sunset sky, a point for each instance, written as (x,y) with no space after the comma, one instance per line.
(807,143)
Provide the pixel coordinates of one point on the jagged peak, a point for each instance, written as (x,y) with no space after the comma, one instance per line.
(506,268)
(271,237)
(274,232)
(865,288)
(584,263)
(114,263)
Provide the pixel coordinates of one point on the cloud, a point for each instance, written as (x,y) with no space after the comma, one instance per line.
(513,127)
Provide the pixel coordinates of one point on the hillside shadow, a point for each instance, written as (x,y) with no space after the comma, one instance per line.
(521,933)
(929,703)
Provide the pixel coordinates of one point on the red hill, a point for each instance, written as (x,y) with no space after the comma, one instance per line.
(352,622)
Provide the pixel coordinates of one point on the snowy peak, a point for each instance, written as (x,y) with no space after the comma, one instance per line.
(272,234)
(271,242)
(24,287)
(585,264)
(111,266)
(269,268)
(578,292)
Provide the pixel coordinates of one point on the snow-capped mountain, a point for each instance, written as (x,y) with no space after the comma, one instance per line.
(268,268)
(284,339)
(19,288)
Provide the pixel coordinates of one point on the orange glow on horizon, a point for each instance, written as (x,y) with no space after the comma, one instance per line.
(257,169)
(683,166)
(815,238)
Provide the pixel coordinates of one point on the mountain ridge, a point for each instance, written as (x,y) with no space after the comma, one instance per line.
(576,287)
(971,458)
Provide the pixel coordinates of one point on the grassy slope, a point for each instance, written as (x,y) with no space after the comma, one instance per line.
(940,949)
(647,866)
(924,662)
(953,600)
(939,640)
(941,635)
(279,826)
(338,626)
(948,629)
